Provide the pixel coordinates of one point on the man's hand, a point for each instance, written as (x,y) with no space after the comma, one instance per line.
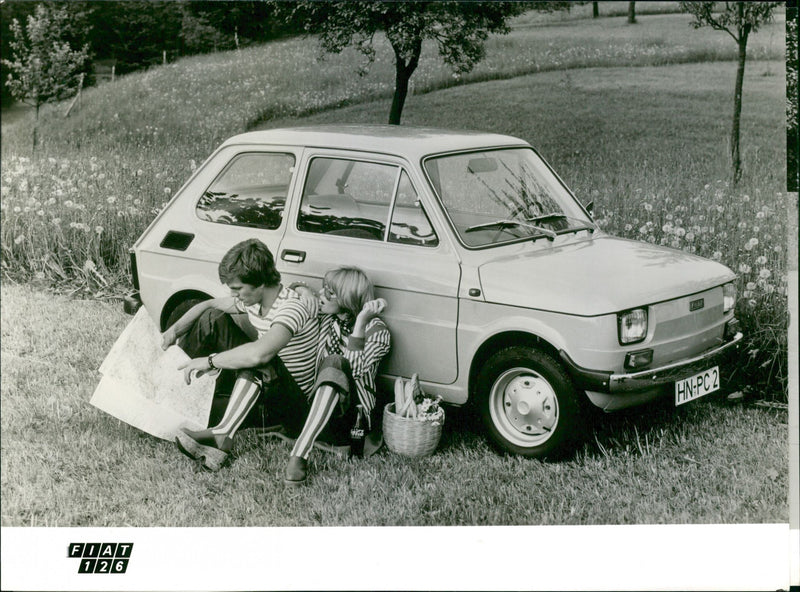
(196,367)
(168,338)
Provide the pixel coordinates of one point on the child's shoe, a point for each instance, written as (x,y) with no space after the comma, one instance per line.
(296,471)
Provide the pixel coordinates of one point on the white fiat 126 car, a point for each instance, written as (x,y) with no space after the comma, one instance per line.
(502,291)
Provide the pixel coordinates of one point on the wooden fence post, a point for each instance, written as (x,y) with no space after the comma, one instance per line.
(77,96)
(113,68)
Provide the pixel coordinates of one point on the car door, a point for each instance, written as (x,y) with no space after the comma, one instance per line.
(367,211)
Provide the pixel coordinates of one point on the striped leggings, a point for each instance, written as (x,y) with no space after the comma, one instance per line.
(334,385)
(325,400)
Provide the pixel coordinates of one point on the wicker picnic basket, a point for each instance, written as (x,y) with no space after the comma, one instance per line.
(409,437)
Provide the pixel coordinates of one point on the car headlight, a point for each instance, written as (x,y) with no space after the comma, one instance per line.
(728,297)
(632,326)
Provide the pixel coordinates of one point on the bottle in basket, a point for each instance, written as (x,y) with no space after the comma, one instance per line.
(358,433)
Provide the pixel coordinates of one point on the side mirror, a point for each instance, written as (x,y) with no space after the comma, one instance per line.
(590,208)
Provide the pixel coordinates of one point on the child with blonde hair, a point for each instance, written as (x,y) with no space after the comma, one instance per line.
(353,340)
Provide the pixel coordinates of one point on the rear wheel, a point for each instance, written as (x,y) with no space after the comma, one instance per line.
(181,309)
(528,403)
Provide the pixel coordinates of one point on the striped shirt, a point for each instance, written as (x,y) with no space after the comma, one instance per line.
(289,311)
(363,353)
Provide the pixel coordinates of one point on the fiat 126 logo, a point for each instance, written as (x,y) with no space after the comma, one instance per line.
(111,558)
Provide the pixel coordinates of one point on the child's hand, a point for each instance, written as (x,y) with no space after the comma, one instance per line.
(307,297)
(372,309)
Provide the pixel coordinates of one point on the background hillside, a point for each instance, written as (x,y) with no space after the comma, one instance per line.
(134,35)
(633,117)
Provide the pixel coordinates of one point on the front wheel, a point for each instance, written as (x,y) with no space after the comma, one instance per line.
(528,403)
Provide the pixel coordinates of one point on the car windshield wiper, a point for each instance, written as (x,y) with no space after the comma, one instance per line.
(552,215)
(504,223)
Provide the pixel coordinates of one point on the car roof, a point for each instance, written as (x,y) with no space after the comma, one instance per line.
(411,142)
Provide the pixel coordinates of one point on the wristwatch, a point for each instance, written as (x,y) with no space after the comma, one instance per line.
(210,361)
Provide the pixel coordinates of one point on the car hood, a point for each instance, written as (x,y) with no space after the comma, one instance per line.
(598,276)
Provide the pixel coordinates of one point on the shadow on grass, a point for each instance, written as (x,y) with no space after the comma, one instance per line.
(463,427)
(636,431)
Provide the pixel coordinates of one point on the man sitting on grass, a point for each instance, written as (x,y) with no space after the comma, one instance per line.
(286,325)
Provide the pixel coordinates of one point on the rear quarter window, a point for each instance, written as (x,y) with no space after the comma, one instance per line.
(250,192)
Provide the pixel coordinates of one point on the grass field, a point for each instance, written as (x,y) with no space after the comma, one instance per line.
(65,463)
(647,144)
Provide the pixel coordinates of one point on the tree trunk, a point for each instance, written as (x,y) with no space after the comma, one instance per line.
(403,72)
(595,9)
(631,13)
(35,126)
(736,159)
(401,79)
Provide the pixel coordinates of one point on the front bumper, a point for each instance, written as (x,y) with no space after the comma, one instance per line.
(652,378)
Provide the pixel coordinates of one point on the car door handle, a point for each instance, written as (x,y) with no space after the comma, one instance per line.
(293,256)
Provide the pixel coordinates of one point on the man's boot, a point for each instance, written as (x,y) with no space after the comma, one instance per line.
(205,446)
(212,445)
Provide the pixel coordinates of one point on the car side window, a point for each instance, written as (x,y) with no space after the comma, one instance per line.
(347,198)
(250,192)
(354,198)
(410,224)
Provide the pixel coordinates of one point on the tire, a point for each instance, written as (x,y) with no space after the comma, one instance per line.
(528,404)
(181,309)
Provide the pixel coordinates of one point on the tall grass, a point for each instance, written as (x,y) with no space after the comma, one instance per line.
(130,145)
(646,144)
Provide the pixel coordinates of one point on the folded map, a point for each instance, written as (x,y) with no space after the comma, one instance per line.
(141,385)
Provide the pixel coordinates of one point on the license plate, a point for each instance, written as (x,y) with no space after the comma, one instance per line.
(694,387)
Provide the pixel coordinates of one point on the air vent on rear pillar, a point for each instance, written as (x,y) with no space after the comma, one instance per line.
(177,241)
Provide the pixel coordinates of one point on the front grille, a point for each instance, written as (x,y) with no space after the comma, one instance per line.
(680,331)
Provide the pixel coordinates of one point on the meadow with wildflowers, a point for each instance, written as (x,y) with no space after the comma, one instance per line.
(71,210)
(646,144)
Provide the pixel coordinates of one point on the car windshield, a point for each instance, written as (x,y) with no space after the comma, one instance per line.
(503,195)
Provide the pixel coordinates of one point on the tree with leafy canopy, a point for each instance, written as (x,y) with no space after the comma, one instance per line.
(458,28)
(738,19)
(43,66)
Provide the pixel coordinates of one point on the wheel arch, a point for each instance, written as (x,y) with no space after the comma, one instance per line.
(175,300)
(499,341)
